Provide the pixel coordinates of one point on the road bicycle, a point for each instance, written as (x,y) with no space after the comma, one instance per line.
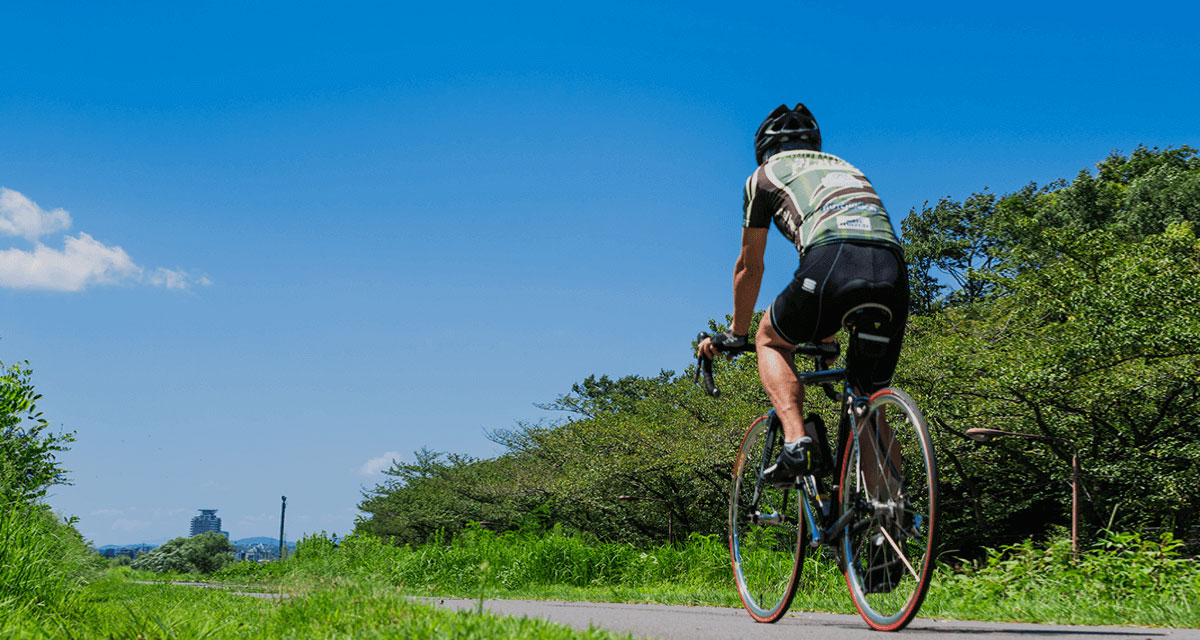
(879,514)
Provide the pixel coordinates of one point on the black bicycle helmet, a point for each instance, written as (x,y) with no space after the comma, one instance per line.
(784,125)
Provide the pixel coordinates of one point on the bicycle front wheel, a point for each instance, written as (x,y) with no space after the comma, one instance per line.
(889,479)
(766,529)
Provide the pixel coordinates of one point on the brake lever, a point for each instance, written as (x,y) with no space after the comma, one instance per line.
(704,368)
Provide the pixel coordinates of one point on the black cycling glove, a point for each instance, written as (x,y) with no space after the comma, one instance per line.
(728,340)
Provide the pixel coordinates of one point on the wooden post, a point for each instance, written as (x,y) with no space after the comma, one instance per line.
(1075,503)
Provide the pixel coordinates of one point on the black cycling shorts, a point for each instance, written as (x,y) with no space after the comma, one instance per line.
(833,279)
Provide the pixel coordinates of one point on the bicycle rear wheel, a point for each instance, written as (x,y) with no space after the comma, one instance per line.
(766,529)
(889,479)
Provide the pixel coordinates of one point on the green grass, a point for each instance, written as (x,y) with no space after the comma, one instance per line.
(113,607)
(1122,579)
(120,609)
(43,564)
(53,586)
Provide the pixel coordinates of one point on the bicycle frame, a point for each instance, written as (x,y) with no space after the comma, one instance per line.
(823,528)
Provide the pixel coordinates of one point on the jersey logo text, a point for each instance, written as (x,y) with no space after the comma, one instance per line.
(840,180)
(854,223)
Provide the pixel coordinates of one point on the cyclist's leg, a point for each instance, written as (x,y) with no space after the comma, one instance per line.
(795,317)
(777,371)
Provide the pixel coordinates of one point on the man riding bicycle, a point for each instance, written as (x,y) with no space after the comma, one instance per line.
(850,259)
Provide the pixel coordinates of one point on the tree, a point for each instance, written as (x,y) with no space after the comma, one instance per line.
(952,240)
(1100,347)
(28,450)
(441,493)
(204,553)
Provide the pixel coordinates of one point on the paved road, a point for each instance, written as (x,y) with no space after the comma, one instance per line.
(675,622)
(701,623)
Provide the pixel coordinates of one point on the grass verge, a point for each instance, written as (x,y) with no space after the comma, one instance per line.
(114,608)
(52,586)
(1121,580)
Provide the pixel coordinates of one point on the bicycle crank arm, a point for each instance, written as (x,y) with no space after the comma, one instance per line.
(767,519)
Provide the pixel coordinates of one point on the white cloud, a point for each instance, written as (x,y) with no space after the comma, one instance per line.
(176,279)
(376,465)
(82,262)
(20,216)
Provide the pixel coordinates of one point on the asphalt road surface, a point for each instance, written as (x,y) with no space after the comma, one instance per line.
(701,623)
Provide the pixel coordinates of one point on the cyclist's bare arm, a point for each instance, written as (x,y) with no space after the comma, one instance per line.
(747,278)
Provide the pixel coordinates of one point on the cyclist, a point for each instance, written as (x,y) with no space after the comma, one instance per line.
(849,258)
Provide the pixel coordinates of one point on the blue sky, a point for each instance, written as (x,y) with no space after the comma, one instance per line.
(277,244)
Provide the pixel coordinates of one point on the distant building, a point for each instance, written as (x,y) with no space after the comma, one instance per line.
(257,552)
(205,522)
(130,551)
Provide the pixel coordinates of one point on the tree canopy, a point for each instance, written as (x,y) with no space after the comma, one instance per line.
(1067,310)
(204,553)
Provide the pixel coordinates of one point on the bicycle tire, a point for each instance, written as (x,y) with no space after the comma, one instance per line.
(888,552)
(766,553)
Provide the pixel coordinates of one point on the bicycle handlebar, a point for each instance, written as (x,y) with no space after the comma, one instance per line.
(820,352)
(704,365)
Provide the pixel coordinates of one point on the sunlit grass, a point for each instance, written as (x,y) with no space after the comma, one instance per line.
(113,607)
(52,586)
(1122,579)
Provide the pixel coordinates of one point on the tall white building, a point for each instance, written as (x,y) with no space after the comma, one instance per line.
(205,522)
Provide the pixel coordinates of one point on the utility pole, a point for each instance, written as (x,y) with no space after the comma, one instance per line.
(282,512)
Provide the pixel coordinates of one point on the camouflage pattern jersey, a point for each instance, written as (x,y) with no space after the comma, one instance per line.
(815,199)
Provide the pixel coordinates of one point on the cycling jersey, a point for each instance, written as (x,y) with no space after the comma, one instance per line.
(816,199)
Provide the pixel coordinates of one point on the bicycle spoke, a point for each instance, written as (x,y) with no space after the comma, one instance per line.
(900,554)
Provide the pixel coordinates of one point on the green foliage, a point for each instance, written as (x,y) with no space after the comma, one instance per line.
(113,607)
(1089,335)
(27,449)
(485,562)
(955,250)
(204,553)
(640,459)
(43,564)
(955,239)
(1067,310)
(442,492)
(1122,577)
